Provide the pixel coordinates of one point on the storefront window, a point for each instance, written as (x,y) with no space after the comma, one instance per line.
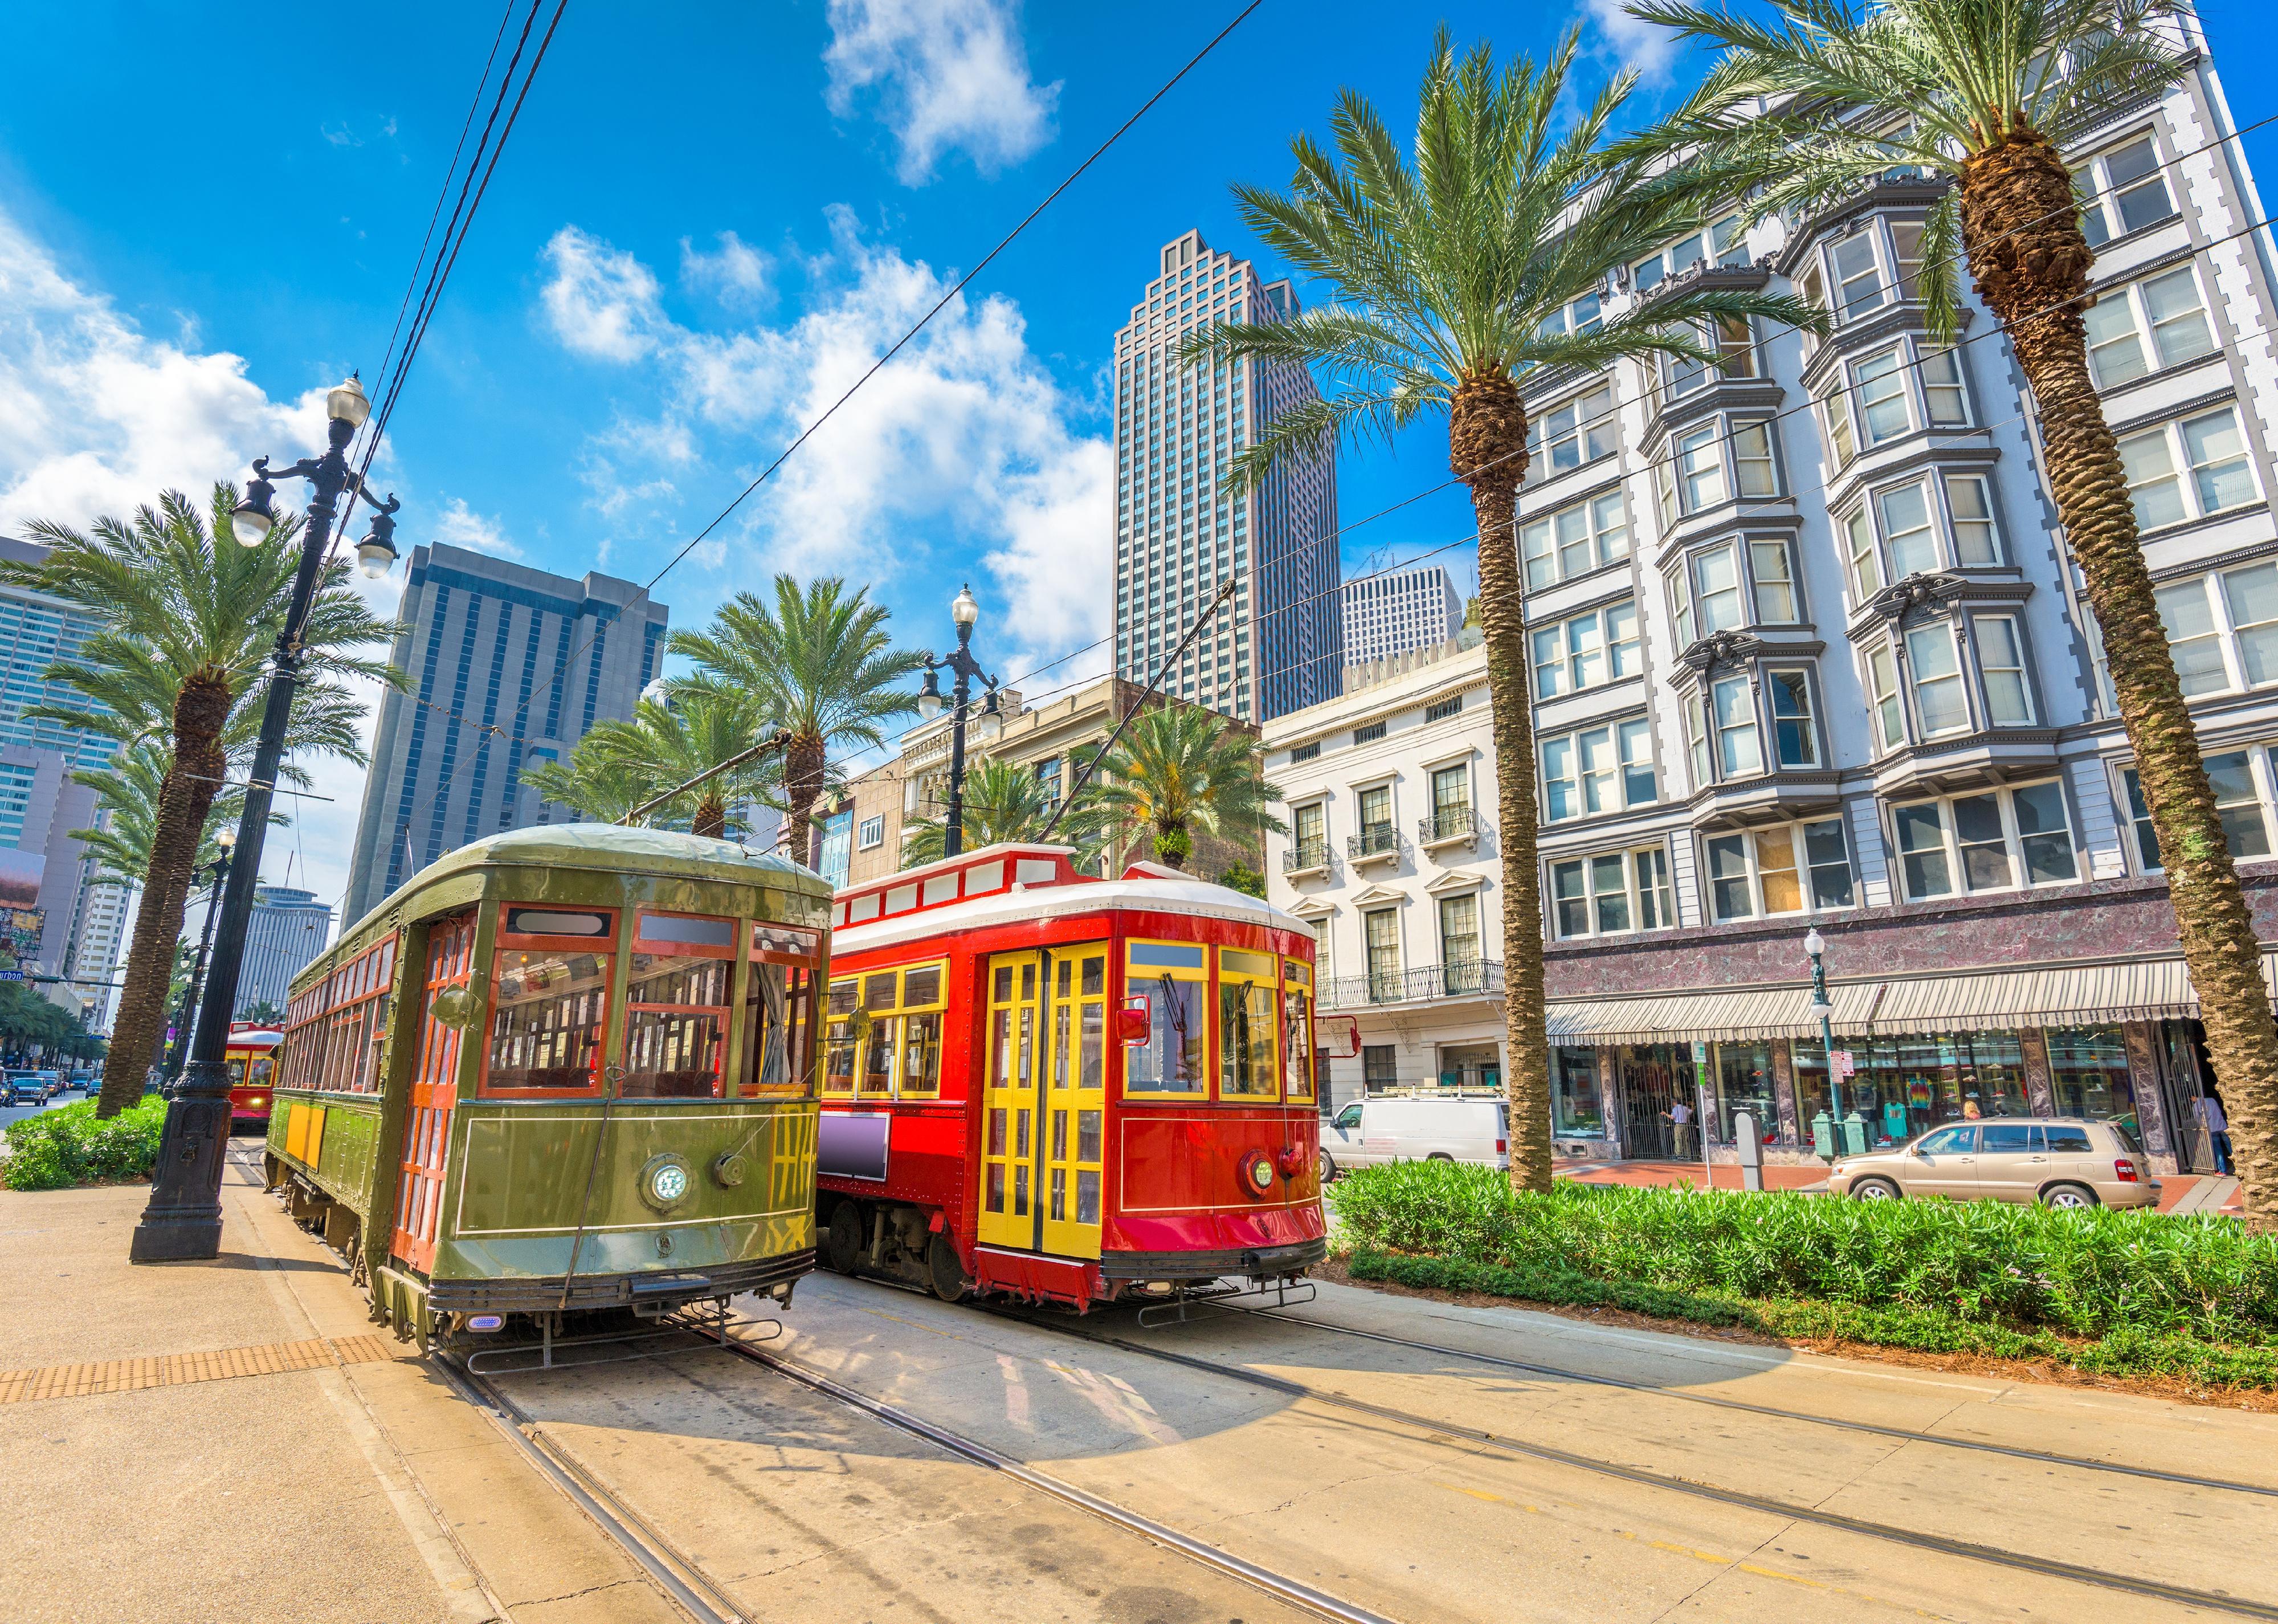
(1744,1082)
(2088,1069)
(1907,1085)
(1576,1107)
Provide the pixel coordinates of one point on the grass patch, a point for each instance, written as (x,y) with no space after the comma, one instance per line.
(2115,1294)
(65,1145)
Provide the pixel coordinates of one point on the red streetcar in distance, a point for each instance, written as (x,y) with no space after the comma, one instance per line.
(251,1057)
(1063,1088)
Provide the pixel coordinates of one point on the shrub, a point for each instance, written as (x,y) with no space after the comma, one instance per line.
(1984,1263)
(66,1145)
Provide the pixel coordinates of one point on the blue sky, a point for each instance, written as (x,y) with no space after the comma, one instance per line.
(710,219)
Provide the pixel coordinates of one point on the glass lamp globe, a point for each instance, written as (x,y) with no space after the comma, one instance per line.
(375,557)
(251,525)
(346,403)
(964,608)
(225,838)
(1813,943)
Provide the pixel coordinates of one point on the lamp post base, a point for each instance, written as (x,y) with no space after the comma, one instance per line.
(183,1219)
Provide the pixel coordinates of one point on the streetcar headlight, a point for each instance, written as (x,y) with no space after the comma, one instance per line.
(666,1183)
(1257,1173)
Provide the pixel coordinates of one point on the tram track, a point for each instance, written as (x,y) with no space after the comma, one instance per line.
(1873,1429)
(1456,1434)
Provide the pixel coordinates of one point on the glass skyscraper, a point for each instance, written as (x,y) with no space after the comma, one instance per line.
(1279,645)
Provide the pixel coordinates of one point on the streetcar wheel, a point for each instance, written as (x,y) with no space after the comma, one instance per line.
(1328,1168)
(945,1273)
(1873,1190)
(2072,1197)
(844,1250)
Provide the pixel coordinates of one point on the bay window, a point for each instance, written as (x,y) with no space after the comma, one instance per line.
(1994,840)
(1574,541)
(1969,509)
(1699,470)
(1795,737)
(1773,576)
(1755,471)
(1879,383)
(2122,191)
(1717,590)
(2188,469)
(1610,892)
(1908,540)
(1883,689)
(2145,326)
(1793,868)
(1597,769)
(2001,666)
(1858,279)
(1943,395)
(1859,535)
(1837,415)
(1936,666)
(1733,708)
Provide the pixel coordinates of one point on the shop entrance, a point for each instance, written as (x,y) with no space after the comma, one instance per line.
(1654,1077)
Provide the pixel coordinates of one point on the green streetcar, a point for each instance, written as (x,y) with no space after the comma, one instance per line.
(561,1072)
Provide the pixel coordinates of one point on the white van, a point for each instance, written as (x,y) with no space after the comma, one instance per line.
(1369,1132)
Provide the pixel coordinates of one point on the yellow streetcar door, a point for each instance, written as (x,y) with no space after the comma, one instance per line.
(1008,1105)
(1075,1100)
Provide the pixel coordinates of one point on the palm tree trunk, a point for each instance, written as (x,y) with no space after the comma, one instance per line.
(2030,260)
(185,794)
(803,782)
(1487,449)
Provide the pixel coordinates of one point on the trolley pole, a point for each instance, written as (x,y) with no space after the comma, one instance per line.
(183,1219)
(964,610)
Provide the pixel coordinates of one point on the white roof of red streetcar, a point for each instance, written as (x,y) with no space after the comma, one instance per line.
(1010,883)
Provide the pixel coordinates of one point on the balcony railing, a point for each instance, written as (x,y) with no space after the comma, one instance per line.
(1424,984)
(1448,823)
(1376,840)
(1305,856)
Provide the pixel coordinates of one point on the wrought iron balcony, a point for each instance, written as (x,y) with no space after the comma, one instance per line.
(1377,841)
(1427,984)
(1306,857)
(1447,825)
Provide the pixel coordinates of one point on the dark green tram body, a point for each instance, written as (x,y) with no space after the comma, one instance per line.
(661,1201)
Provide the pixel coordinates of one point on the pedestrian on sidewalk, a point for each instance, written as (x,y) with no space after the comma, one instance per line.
(1679,1118)
(2208,1109)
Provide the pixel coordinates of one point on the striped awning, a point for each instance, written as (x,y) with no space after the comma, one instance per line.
(2039,995)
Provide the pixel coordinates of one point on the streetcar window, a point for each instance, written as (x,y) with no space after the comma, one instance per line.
(549,1020)
(879,1056)
(1296,974)
(1245,1040)
(682,930)
(1166,955)
(900,1054)
(544,922)
(984,877)
(777,1054)
(1297,1073)
(921,987)
(839,1043)
(676,1027)
(878,991)
(1234,962)
(921,1056)
(1172,1061)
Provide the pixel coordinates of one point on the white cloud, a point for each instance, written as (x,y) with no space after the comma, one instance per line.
(602,302)
(1647,47)
(959,453)
(735,273)
(460,525)
(945,73)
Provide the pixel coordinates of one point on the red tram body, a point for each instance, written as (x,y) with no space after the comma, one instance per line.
(1065,1088)
(250,1056)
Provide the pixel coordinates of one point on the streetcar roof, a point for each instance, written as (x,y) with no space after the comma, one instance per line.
(613,846)
(1144,886)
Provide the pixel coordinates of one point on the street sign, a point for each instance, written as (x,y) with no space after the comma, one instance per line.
(1843,1065)
(11,975)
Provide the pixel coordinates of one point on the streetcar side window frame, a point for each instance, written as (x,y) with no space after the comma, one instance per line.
(671,1022)
(1242,974)
(1148,962)
(1299,1060)
(908,1010)
(603,947)
(332,1046)
(794,950)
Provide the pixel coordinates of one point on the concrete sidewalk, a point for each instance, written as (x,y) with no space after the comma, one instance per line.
(235,1440)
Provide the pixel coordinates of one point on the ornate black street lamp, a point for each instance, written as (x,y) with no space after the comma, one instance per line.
(964,610)
(1813,944)
(183,1219)
(219,869)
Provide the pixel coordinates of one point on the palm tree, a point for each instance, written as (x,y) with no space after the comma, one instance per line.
(128,789)
(819,663)
(697,727)
(1446,279)
(1005,800)
(1991,91)
(1182,771)
(189,619)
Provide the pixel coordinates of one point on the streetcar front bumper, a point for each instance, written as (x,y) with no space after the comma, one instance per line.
(649,1289)
(1249,1262)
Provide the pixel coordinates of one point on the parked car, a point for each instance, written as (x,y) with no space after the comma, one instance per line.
(1370,1132)
(2065,1161)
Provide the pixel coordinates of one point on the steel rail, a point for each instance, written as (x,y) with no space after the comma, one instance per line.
(1455,1432)
(1283,1589)
(1905,1434)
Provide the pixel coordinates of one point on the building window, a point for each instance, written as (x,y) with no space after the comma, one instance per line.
(2139,820)
(1985,842)
(1574,541)
(1935,667)
(1581,431)
(1970,511)
(1755,472)
(2188,469)
(1943,396)
(1716,591)
(2147,325)
(1375,810)
(1837,415)
(1795,739)
(1858,279)
(1774,579)
(1368,733)
(1459,936)
(870,833)
(1049,775)
(1586,650)
(1794,869)
(1610,892)
(1598,770)
(1728,341)
(1731,702)
(1380,929)
(2001,666)
(2247,627)
(1880,386)
(2126,192)
(1309,751)
(1309,844)
(1882,686)
(1451,799)
(837,831)
(1378,1070)
(2236,801)
(1908,542)
(1699,471)
(1439,710)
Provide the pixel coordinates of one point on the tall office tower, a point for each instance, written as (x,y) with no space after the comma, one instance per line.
(1392,613)
(1279,645)
(289,927)
(513,666)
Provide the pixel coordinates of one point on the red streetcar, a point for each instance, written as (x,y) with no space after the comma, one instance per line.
(1064,1088)
(250,1056)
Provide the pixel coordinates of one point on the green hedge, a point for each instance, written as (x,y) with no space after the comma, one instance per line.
(65,1145)
(1971,1276)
